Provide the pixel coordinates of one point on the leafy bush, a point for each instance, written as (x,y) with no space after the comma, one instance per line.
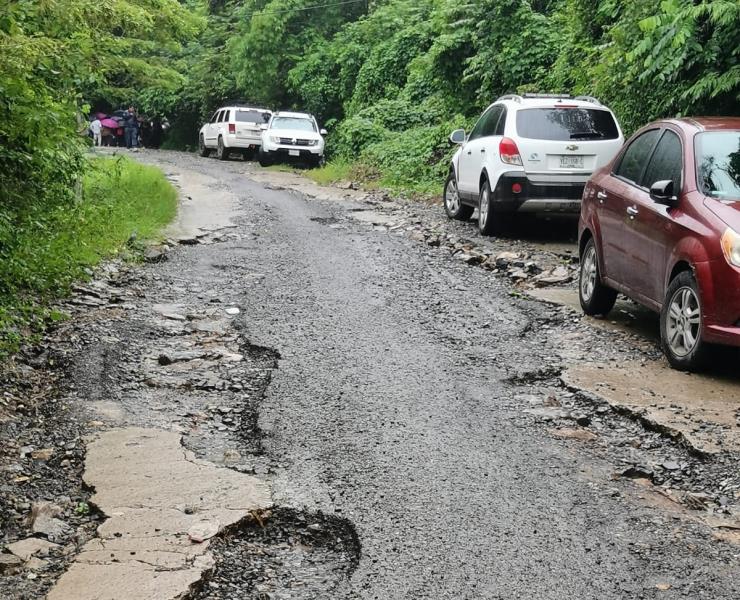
(417,158)
(52,246)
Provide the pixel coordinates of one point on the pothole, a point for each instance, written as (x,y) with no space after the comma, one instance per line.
(292,554)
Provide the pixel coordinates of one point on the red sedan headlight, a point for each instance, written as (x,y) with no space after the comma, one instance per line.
(730,242)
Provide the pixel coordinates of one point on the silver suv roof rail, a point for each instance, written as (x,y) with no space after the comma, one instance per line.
(590,99)
(514,97)
(555,96)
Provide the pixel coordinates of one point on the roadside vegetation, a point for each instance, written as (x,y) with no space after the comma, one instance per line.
(59,211)
(121,203)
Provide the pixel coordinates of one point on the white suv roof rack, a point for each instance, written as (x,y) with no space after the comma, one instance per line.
(590,99)
(555,96)
(514,97)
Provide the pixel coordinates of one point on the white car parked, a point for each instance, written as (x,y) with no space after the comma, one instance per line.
(531,153)
(292,135)
(233,129)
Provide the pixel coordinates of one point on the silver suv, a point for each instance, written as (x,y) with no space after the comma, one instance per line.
(233,129)
(530,153)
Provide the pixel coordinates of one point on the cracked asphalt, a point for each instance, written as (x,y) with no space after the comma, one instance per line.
(406,410)
(397,405)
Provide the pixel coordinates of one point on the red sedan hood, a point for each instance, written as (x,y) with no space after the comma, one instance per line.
(729,212)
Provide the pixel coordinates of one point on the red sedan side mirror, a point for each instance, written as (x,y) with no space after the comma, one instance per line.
(662,193)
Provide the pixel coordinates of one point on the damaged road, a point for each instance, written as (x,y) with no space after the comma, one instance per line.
(318,404)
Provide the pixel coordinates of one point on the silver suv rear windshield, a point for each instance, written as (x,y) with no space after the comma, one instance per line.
(718,164)
(566,123)
(252,116)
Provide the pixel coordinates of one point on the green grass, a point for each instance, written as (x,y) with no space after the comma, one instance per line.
(119,202)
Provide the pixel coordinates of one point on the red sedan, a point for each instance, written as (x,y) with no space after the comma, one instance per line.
(661,224)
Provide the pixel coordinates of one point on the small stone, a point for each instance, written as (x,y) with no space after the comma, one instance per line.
(232,310)
(174,317)
(155,255)
(200,532)
(43,454)
(10,564)
(583,420)
(504,258)
(44,521)
(25,549)
(670,465)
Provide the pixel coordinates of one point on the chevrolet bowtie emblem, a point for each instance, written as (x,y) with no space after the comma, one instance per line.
(571,147)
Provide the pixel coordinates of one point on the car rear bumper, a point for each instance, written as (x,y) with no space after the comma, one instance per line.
(719,284)
(516,192)
(231,141)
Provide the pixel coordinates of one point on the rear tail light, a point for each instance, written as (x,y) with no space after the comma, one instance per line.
(232,127)
(509,152)
(516,188)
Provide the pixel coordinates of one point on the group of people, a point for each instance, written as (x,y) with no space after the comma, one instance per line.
(127,128)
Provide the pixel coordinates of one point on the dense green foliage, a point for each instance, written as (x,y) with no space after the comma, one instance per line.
(57,58)
(391,77)
(119,200)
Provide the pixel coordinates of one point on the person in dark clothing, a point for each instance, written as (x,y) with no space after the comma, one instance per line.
(157,133)
(131,125)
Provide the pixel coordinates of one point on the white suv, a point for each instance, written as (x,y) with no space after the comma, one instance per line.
(233,129)
(292,135)
(531,153)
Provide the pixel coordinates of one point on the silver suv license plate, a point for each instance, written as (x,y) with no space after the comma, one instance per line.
(571,162)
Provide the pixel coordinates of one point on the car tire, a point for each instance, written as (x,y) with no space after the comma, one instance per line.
(264,158)
(451,200)
(203,150)
(681,323)
(222,152)
(596,298)
(490,220)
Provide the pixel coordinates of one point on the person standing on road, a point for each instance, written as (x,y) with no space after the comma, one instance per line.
(132,130)
(95,128)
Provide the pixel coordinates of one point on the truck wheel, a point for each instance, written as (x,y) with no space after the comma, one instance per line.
(222,152)
(264,158)
(202,148)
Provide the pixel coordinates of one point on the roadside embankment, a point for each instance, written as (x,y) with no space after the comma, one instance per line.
(43,250)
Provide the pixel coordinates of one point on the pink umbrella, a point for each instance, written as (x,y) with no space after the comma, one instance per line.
(109,123)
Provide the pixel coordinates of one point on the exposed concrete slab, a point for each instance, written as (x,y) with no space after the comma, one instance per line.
(205,207)
(701,408)
(153,492)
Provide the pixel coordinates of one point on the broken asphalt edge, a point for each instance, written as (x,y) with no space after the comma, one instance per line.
(639,415)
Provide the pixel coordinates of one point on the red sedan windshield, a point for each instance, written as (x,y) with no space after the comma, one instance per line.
(718,164)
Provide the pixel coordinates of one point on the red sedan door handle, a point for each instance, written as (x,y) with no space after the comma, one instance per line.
(632,211)
(601,196)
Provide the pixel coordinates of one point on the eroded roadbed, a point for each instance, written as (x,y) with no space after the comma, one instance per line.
(314,404)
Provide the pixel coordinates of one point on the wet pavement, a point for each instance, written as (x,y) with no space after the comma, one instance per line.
(409,409)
